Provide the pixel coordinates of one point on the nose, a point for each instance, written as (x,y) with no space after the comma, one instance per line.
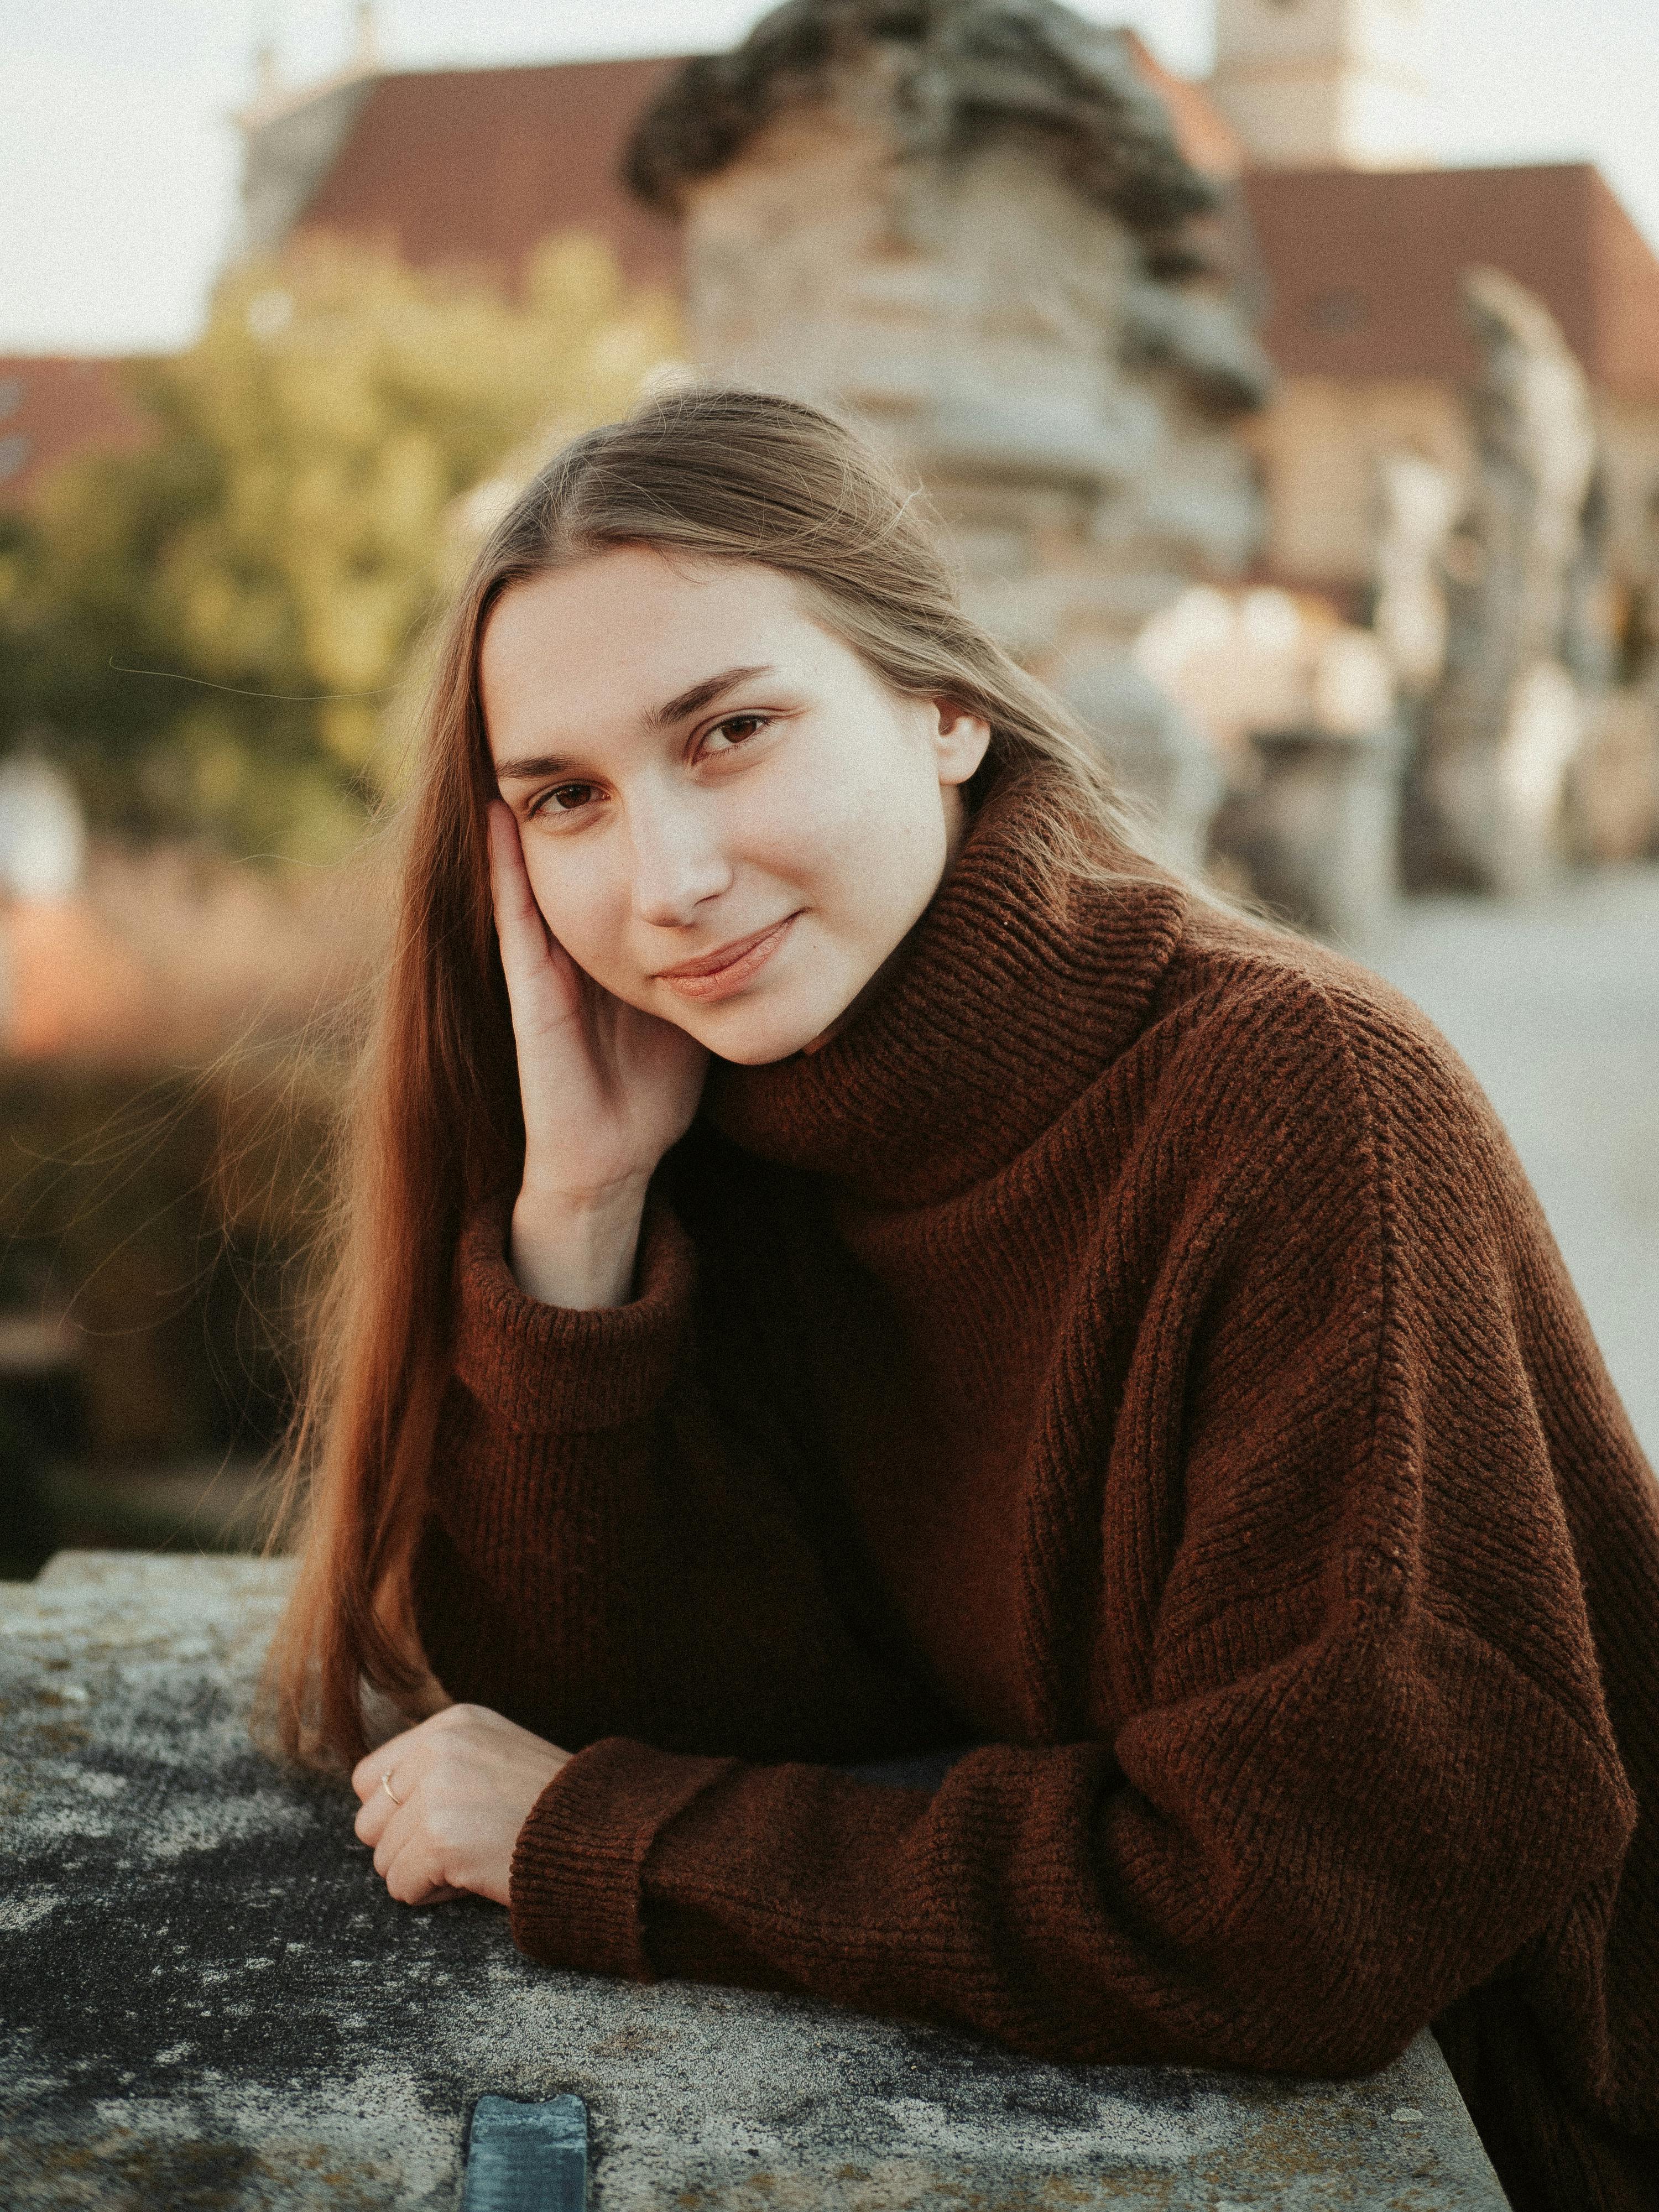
(677,862)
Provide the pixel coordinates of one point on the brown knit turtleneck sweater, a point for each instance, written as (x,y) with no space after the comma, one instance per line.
(1133,1349)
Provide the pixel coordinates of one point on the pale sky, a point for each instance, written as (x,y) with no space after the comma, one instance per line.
(118,161)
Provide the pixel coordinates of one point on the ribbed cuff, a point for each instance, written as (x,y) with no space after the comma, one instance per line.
(557,1369)
(575,1896)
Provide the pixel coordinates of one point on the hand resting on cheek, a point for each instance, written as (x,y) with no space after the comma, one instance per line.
(605,1090)
(443,1804)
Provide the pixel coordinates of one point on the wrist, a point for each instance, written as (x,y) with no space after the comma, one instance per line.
(576,1251)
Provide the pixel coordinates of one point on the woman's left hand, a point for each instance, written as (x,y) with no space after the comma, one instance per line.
(462,1785)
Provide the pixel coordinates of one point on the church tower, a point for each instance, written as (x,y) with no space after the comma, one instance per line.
(1321,83)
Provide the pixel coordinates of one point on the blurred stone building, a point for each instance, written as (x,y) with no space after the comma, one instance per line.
(1329,237)
(1405,503)
(1322,113)
(973,228)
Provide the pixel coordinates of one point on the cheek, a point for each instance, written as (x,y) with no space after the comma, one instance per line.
(873,847)
(839,836)
(582,907)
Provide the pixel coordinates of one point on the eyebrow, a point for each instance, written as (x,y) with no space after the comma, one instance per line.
(684,703)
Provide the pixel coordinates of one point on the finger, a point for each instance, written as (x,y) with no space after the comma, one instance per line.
(374,1813)
(384,1759)
(519,921)
(532,958)
(414,1874)
(395,1836)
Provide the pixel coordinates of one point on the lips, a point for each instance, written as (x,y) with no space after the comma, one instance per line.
(730,967)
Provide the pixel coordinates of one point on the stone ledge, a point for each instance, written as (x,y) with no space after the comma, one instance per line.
(212,2002)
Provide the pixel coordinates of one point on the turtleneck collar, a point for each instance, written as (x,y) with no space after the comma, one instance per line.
(1000,1014)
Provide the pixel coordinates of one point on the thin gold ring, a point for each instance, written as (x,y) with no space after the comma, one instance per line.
(385,1784)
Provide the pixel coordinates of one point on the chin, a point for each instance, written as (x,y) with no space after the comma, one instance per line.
(752,1036)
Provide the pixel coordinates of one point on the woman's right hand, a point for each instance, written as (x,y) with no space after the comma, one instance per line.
(607,1090)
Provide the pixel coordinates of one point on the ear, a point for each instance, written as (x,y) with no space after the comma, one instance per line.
(959,739)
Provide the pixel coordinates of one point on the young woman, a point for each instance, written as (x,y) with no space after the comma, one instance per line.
(849,1263)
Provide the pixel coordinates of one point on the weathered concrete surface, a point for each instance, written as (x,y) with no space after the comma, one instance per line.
(1554,1003)
(210,2002)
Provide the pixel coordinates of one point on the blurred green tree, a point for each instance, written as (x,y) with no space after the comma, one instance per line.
(269,558)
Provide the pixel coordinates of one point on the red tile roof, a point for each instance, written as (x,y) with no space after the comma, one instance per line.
(477,166)
(1364,266)
(53,405)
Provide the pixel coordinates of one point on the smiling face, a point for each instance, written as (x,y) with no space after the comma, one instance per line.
(728,819)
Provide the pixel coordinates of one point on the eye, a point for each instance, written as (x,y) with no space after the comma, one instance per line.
(565,799)
(737,730)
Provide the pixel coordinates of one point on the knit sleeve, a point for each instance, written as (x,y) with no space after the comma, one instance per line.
(1337,1754)
(594,1507)
(550,1412)
(554,1371)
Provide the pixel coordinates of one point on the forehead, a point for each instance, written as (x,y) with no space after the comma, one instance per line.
(610,638)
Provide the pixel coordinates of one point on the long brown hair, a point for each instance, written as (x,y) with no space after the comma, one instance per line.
(434,1125)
